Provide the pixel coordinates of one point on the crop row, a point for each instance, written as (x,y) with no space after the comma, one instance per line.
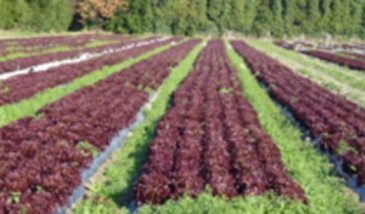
(352,60)
(27,62)
(27,85)
(39,44)
(211,136)
(321,46)
(285,45)
(341,60)
(348,47)
(339,123)
(42,158)
(357,55)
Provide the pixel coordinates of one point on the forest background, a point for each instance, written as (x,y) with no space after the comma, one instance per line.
(188,17)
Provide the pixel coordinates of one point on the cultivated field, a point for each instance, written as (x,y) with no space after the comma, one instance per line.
(103,123)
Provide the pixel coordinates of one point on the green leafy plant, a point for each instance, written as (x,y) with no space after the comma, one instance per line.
(5,90)
(87,145)
(225,90)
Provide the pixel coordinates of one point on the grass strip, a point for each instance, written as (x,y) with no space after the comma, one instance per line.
(333,86)
(10,34)
(326,193)
(54,50)
(353,78)
(28,107)
(312,170)
(99,43)
(22,54)
(62,49)
(114,188)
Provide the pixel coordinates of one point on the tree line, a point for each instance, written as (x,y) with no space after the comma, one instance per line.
(36,15)
(189,17)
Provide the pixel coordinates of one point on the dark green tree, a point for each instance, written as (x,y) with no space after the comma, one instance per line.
(249,15)
(313,17)
(263,23)
(217,11)
(235,18)
(289,10)
(278,24)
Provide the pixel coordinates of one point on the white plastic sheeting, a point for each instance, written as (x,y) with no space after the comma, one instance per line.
(102,157)
(351,181)
(83,57)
